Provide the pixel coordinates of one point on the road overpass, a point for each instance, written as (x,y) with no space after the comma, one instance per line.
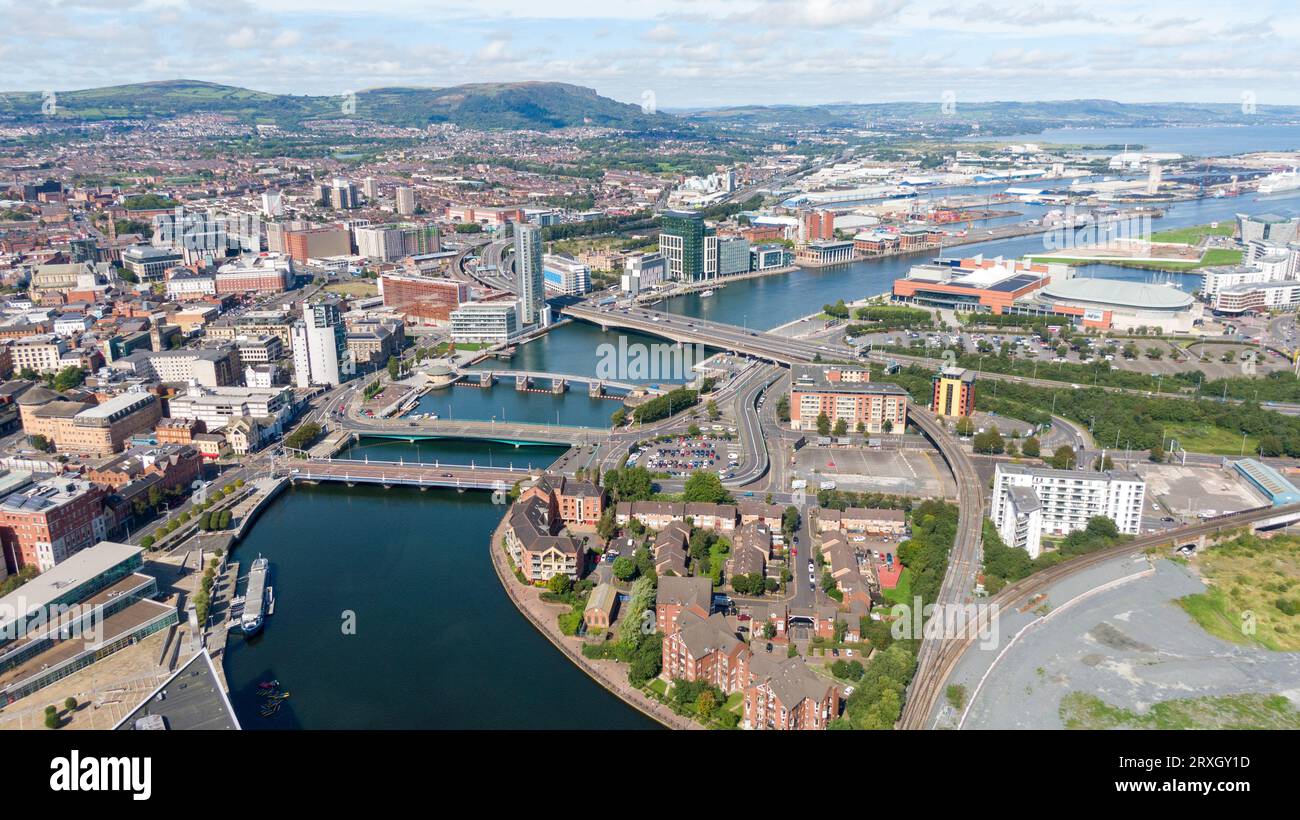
(689,330)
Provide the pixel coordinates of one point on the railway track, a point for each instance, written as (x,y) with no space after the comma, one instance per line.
(930,677)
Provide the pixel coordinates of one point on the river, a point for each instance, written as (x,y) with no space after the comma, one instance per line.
(437,643)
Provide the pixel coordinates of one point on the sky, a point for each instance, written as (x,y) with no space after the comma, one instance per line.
(674,53)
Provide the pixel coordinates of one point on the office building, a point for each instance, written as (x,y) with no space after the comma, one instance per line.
(256,274)
(208,366)
(381,243)
(102,603)
(1273,227)
(529,272)
(566,275)
(690,248)
(149,263)
(272,204)
(1066,499)
(643,271)
(954,392)
(216,406)
(320,351)
(848,394)
(733,256)
(42,353)
(316,243)
(425,298)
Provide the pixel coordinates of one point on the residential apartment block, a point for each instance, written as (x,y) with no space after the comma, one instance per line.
(1066,500)
(848,394)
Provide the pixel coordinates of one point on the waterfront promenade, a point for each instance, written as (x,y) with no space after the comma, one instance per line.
(609,674)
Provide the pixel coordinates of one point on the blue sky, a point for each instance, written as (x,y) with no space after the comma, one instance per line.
(687,53)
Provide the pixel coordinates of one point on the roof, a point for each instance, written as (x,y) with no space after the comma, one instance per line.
(73,570)
(193,698)
(1119,293)
(686,592)
(603,598)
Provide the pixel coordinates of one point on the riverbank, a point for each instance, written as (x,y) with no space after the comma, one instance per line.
(609,674)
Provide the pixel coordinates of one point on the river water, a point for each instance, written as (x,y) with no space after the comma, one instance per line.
(437,642)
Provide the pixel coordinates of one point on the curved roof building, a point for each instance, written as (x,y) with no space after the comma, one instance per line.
(1124,305)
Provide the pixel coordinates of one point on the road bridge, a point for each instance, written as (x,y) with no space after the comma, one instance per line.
(685,329)
(411,474)
(516,433)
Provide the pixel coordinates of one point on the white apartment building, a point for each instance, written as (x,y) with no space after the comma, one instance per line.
(1215,279)
(529,272)
(490,322)
(1066,500)
(184,284)
(320,349)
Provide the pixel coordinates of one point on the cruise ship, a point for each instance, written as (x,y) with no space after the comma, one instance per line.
(1283,181)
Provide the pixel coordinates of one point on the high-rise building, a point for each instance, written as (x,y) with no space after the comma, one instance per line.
(817,226)
(272,204)
(370,188)
(690,248)
(405,200)
(320,349)
(954,392)
(529,274)
(343,195)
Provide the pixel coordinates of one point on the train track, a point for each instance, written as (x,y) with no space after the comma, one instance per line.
(930,677)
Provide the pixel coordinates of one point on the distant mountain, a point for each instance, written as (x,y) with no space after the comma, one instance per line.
(532,105)
(1006,117)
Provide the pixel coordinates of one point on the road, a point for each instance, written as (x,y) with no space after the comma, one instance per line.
(761,344)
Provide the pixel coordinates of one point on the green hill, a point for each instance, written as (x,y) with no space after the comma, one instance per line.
(533,105)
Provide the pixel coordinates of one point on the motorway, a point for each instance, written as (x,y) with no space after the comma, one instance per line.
(760,344)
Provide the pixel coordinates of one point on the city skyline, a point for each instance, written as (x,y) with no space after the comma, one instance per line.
(715,53)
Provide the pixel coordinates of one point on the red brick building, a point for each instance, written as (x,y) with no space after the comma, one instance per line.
(49,521)
(570,501)
(422,296)
(706,649)
(786,695)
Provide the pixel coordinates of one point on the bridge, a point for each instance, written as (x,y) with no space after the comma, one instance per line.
(964,560)
(554,378)
(686,329)
(516,433)
(931,677)
(412,474)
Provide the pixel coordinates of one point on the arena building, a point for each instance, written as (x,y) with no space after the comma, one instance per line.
(1119,305)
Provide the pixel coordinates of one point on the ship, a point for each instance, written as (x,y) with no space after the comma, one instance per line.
(255,597)
(1279,182)
(708,292)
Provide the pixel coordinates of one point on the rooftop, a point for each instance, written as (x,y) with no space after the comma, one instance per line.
(193,698)
(1119,293)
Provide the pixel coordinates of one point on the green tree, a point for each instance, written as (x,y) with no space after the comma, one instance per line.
(394,367)
(823,424)
(1064,458)
(624,569)
(712,409)
(1031,447)
(841,427)
(704,486)
(965,426)
(559,584)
